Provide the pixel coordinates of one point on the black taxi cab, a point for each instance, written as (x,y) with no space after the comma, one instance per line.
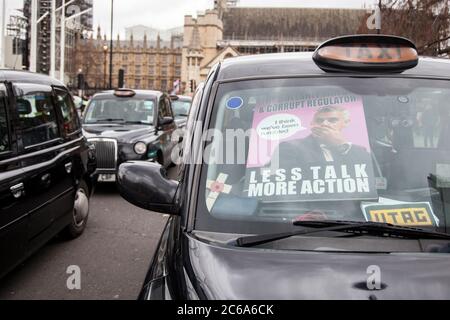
(127,124)
(46,166)
(308,176)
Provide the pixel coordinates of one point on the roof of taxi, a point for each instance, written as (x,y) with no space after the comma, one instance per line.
(295,64)
(28,77)
(139,93)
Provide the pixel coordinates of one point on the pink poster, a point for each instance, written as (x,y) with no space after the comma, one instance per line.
(286,121)
(311,150)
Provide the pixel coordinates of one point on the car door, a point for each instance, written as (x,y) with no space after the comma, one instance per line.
(13,214)
(74,142)
(166,130)
(44,156)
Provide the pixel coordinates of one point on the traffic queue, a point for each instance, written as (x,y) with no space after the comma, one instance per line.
(51,158)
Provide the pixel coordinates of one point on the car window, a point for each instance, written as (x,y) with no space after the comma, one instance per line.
(189,135)
(181,108)
(37,116)
(132,110)
(68,111)
(195,104)
(4,133)
(337,149)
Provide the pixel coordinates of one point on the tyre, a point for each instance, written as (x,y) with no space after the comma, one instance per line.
(80,213)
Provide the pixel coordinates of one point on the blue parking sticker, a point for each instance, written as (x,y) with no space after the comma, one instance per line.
(235,103)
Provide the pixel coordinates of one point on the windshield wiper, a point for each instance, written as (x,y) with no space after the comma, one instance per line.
(362,228)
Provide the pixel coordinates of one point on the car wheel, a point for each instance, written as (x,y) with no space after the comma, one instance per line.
(80,213)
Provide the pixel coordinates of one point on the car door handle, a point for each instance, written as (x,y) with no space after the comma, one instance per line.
(46,180)
(18,190)
(68,167)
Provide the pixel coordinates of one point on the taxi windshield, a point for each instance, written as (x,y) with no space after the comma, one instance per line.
(281,151)
(121,110)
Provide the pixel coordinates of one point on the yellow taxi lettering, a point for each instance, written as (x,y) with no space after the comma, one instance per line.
(384,53)
(364,52)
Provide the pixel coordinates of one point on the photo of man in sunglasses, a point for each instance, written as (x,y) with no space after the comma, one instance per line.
(326,143)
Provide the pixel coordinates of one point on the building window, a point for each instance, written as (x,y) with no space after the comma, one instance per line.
(151,70)
(164,59)
(151,59)
(138,69)
(177,72)
(178,59)
(164,71)
(164,85)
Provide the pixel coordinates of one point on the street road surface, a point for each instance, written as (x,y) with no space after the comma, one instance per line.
(113,254)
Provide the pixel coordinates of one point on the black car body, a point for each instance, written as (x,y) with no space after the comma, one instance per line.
(116,121)
(46,166)
(315,249)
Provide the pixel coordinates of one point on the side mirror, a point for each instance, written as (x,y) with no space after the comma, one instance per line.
(147,186)
(166,121)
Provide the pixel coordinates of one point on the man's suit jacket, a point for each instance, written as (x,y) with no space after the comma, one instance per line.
(308,151)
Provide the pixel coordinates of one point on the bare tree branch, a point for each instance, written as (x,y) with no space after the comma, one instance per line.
(425,22)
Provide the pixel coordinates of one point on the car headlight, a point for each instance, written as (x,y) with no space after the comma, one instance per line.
(140,148)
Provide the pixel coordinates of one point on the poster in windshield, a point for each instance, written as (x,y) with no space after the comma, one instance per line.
(311,150)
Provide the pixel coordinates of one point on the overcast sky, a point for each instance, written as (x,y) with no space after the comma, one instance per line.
(164,14)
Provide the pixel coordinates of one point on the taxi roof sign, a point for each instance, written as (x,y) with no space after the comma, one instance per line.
(124,93)
(367,53)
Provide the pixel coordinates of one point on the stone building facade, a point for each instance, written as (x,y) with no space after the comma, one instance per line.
(228,30)
(225,31)
(147,64)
